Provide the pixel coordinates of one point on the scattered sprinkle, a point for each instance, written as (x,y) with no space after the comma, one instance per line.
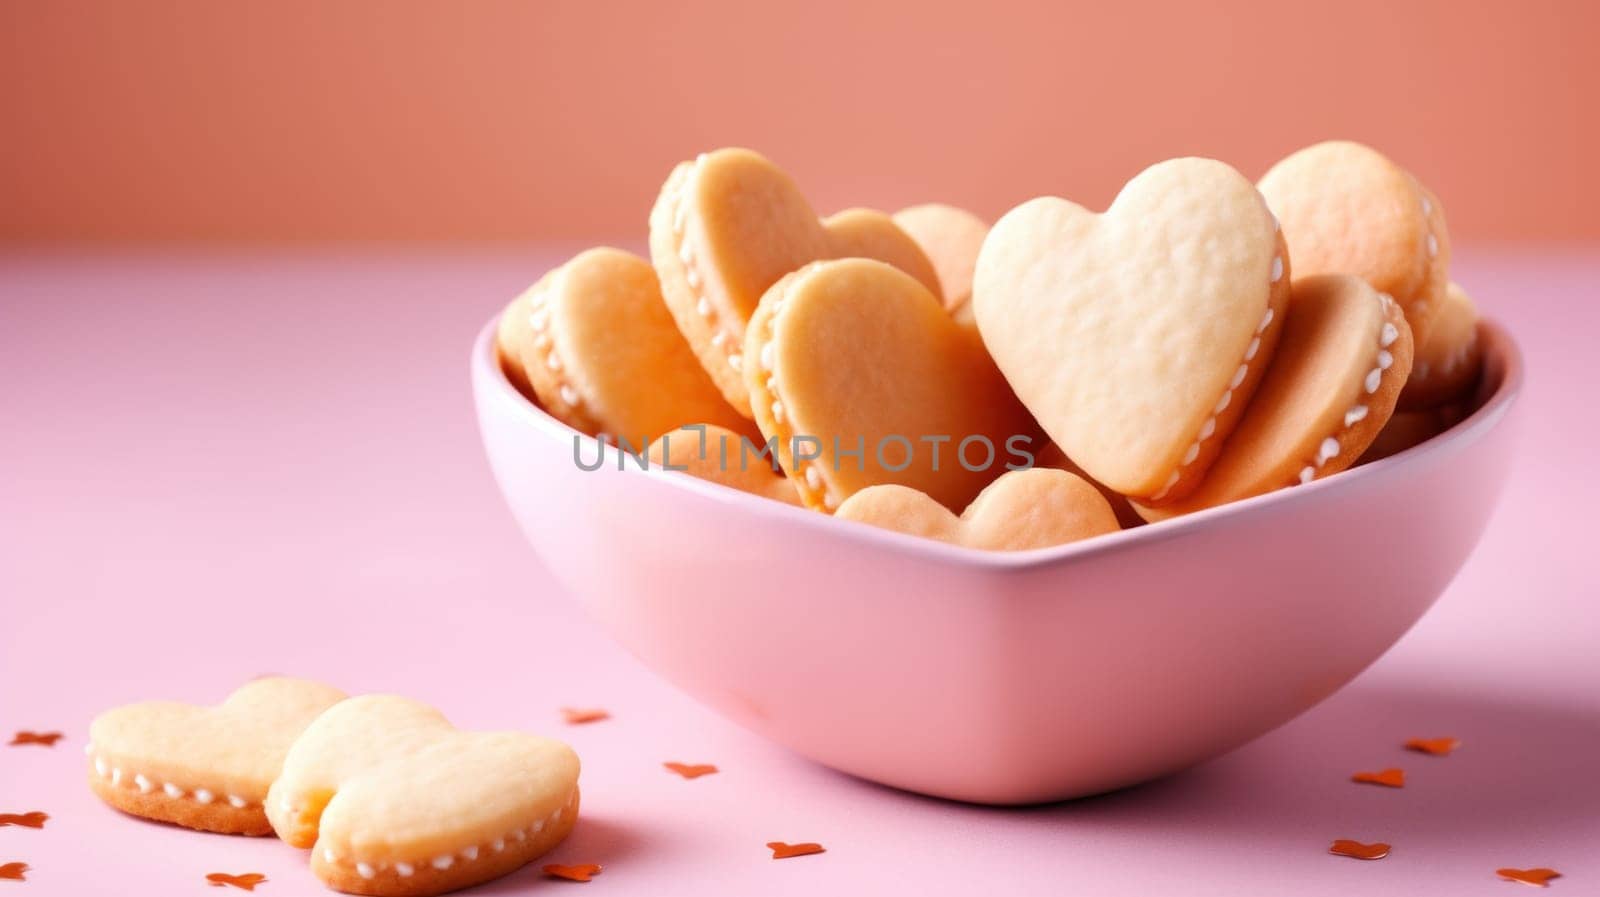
(690,770)
(48,739)
(1389,778)
(1438,747)
(1377,850)
(581,872)
(34,819)
(783,851)
(245,882)
(575,716)
(1539,878)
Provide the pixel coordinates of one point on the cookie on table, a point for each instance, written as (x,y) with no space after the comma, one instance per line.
(1137,336)
(1022,509)
(857,371)
(1450,359)
(604,356)
(726,226)
(205,768)
(1348,209)
(1341,362)
(395,801)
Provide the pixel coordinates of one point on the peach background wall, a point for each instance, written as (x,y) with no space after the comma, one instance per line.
(296,121)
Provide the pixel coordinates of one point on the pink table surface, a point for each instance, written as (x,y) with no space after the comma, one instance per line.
(216,466)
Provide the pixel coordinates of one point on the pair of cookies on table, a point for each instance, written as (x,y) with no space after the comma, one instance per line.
(389,796)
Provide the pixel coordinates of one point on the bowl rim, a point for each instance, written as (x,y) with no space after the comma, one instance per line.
(1498,346)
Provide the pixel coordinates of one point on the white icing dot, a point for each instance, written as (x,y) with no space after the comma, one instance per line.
(777,411)
(172,790)
(116,776)
(1208,428)
(539,318)
(718,338)
(1355,414)
(520,835)
(1328,450)
(1266,319)
(768,356)
(100,766)
(829,501)
(404,870)
(1191,454)
(203,796)
(1427,206)
(1277,268)
(538,826)
(736,362)
(1238,376)
(693,277)
(1251,350)
(499,844)
(444,862)
(813,477)
(365,871)
(703,307)
(145,785)
(1306,474)
(1388,335)
(568,394)
(1433,245)
(88,749)
(471,853)
(1385,360)
(1374,377)
(685,253)
(328,856)
(238,801)
(553,361)
(541,341)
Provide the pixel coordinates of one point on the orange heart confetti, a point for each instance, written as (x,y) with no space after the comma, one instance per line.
(1539,878)
(582,872)
(1356,850)
(48,739)
(1438,747)
(782,851)
(13,871)
(690,770)
(591,715)
(1389,778)
(34,819)
(245,882)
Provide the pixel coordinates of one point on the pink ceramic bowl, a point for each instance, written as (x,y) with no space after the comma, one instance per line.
(1005,677)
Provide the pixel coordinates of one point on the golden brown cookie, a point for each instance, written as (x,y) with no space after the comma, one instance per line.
(863,379)
(204,768)
(1449,359)
(1407,429)
(1344,354)
(726,226)
(951,237)
(397,802)
(605,357)
(1052,456)
(1137,336)
(1022,509)
(722,456)
(511,337)
(1346,208)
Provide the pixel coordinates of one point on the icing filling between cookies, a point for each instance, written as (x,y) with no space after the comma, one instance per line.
(806,475)
(371,869)
(1329,448)
(1209,428)
(721,336)
(539,322)
(144,784)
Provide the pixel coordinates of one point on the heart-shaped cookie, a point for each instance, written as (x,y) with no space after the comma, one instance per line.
(511,338)
(206,768)
(1449,358)
(862,379)
(1052,456)
(1347,209)
(1345,353)
(1538,878)
(393,799)
(951,237)
(1136,337)
(722,456)
(605,357)
(725,228)
(1022,509)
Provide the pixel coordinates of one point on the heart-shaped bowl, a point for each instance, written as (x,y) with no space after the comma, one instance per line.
(1013,677)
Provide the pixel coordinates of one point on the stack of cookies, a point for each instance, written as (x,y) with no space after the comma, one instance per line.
(1062,374)
(390,798)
